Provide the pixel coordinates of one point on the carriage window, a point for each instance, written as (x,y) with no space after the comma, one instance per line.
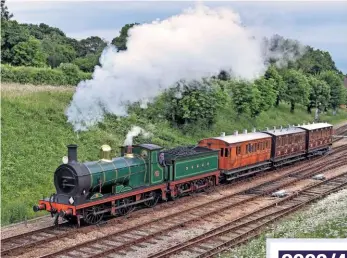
(238,150)
(226,152)
(222,152)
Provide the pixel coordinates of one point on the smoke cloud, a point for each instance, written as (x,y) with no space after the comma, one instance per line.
(135,131)
(198,43)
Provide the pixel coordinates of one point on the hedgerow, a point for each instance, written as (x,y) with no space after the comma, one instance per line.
(65,74)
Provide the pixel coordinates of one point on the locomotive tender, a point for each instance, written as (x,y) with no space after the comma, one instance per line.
(145,173)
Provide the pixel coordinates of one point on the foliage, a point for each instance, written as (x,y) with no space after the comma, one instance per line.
(12,33)
(121,41)
(87,63)
(298,88)
(17,41)
(279,86)
(91,45)
(253,98)
(241,94)
(46,76)
(335,82)
(194,101)
(28,53)
(43,30)
(56,52)
(282,52)
(5,14)
(319,94)
(316,61)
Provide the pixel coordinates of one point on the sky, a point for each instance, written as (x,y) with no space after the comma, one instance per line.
(319,24)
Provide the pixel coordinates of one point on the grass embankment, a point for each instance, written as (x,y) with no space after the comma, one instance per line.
(325,219)
(35,134)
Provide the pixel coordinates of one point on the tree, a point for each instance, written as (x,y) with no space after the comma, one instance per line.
(12,33)
(242,96)
(29,53)
(5,14)
(87,63)
(281,51)
(267,96)
(316,61)
(319,94)
(298,88)
(278,83)
(56,52)
(91,45)
(193,102)
(335,82)
(43,30)
(121,41)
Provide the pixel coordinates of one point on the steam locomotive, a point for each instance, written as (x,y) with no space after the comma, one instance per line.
(145,173)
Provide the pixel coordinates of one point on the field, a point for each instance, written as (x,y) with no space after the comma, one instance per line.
(35,134)
(325,219)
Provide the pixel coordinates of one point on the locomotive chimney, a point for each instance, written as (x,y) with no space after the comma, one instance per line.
(105,153)
(129,152)
(72,153)
(236,132)
(222,134)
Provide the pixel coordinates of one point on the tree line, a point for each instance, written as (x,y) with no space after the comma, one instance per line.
(41,54)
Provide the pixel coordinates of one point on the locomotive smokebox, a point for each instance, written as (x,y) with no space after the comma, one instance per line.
(72,153)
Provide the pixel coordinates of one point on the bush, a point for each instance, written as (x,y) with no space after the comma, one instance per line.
(66,74)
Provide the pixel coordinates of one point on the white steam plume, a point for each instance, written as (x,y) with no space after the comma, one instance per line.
(195,44)
(135,131)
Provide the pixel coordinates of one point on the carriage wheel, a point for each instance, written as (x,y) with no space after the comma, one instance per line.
(154,201)
(90,214)
(125,210)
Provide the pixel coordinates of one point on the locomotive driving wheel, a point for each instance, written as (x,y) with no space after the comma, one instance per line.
(154,201)
(128,207)
(92,216)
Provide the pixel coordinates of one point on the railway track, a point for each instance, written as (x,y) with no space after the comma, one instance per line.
(243,228)
(19,244)
(121,242)
(33,238)
(340,131)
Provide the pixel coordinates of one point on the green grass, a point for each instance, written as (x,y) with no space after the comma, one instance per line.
(35,134)
(324,219)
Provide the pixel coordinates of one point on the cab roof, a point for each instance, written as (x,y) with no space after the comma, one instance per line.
(149,146)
